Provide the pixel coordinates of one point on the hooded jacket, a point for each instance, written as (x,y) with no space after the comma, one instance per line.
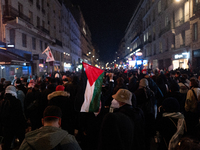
(62,100)
(47,138)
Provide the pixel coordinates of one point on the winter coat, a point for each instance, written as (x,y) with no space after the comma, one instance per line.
(137,116)
(62,100)
(117,132)
(47,138)
(13,118)
(30,97)
(191,102)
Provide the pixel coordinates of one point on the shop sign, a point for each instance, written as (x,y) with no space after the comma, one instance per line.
(68,65)
(138,54)
(182,56)
(35,56)
(139,62)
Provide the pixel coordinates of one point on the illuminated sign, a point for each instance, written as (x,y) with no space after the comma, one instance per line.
(183,55)
(139,62)
(41,65)
(68,65)
(132,63)
(138,54)
(145,62)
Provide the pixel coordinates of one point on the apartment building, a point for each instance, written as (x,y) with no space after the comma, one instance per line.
(28,27)
(165,38)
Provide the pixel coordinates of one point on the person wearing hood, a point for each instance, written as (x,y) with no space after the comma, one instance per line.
(145,100)
(50,136)
(32,106)
(127,105)
(61,99)
(11,118)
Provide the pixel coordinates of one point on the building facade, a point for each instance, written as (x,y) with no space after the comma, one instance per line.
(28,27)
(167,36)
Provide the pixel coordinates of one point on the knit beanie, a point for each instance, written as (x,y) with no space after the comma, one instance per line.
(60,88)
(171,105)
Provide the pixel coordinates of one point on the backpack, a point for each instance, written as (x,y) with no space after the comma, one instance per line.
(33,106)
(148,107)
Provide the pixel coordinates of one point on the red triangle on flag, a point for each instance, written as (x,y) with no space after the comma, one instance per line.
(92,73)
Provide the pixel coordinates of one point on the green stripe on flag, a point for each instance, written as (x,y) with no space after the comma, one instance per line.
(94,105)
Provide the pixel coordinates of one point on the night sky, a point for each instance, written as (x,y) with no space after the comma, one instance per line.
(107,21)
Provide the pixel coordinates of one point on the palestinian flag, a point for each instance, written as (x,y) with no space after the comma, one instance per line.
(88,97)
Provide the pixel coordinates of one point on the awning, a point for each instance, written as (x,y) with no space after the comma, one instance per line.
(9,58)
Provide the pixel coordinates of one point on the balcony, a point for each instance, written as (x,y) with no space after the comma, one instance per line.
(10,13)
(43,29)
(165,29)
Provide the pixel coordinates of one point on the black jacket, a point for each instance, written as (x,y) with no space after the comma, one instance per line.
(137,116)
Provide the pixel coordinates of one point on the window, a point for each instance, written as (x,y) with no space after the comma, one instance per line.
(38,21)
(160,47)
(20,8)
(183,37)
(41,46)
(166,20)
(45,45)
(159,7)
(12,36)
(154,15)
(167,47)
(144,38)
(43,24)
(33,43)
(31,17)
(195,32)
(24,43)
(154,49)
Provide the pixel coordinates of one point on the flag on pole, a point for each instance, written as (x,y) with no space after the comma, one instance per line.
(88,98)
(49,54)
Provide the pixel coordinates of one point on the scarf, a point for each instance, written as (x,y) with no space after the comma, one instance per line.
(180,128)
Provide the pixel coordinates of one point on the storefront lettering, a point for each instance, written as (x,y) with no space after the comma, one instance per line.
(178,56)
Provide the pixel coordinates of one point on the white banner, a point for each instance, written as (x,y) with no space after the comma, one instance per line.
(49,54)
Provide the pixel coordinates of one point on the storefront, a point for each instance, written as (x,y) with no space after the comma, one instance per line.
(43,67)
(180,61)
(67,66)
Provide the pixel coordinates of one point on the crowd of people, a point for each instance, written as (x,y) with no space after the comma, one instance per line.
(137,111)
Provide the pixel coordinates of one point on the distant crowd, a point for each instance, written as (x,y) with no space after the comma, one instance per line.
(152,110)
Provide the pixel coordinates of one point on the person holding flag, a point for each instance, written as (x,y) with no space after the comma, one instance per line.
(49,54)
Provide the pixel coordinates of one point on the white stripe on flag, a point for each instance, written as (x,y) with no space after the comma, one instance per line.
(87,97)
